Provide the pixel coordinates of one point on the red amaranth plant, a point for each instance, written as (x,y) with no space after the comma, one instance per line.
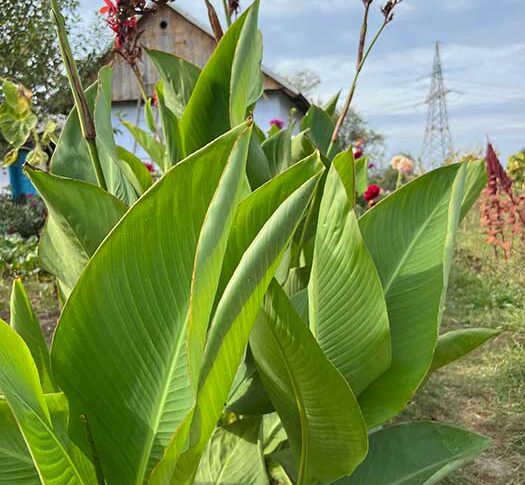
(502,211)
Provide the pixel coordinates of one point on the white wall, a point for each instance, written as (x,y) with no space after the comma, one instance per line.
(274,104)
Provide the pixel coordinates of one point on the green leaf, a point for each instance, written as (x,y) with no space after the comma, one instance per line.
(361,175)
(16,464)
(71,157)
(278,151)
(302,147)
(319,412)
(410,235)
(171,130)
(321,127)
(273,433)
(155,149)
(149,115)
(263,226)
(234,455)
(227,86)
(330,107)
(248,396)
(475,182)
(128,318)
(54,456)
(179,78)
(258,168)
(455,344)
(416,454)
(142,176)
(348,313)
(24,321)
(80,217)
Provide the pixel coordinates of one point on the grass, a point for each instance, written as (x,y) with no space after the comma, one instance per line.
(484,392)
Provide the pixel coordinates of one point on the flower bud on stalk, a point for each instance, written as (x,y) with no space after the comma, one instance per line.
(84,115)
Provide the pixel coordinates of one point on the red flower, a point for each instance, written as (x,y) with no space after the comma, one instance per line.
(277,123)
(372,193)
(358,153)
(109,8)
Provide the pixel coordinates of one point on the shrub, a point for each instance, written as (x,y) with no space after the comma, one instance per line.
(25,217)
(236,321)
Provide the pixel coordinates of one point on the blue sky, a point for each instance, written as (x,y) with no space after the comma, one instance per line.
(483,49)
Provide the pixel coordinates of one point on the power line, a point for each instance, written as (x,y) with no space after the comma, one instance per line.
(437,142)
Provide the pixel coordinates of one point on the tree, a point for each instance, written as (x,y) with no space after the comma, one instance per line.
(29,52)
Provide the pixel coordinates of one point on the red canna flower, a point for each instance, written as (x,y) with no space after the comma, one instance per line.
(372,192)
(278,123)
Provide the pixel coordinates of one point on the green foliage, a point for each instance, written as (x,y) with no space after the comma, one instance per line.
(24,217)
(18,256)
(242,282)
(29,51)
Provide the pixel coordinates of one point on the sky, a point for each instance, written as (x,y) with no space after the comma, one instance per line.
(483,55)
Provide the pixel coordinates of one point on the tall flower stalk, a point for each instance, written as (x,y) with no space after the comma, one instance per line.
(387,11)
(86,119)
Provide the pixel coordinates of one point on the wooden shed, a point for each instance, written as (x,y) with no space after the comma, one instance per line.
(172,30)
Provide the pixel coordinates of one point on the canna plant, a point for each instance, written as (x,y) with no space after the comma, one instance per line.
(237,321)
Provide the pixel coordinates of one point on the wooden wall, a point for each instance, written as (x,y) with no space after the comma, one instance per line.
(168,31)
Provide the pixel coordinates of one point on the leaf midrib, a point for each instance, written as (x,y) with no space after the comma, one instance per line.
(410,246)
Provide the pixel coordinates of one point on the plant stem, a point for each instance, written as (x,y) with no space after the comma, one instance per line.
(84,115)
(227,12)
(353,86)
(398,183)
(140,82)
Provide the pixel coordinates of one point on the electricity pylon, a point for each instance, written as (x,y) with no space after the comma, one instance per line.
(437,144)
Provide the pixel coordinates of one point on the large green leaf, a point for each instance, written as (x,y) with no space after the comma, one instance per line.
(26,324)
(154,148)
(475,182)
(54,456)
(80,217)
(453,345)
(410,235)
(278,150)
(115,173)
(128,317)
(234,455)
(316,405)
(416,454)
(264,224)
(179,78)
(227,86)
(171,130)
(142,176)
(348,313)
(321,127)
(248,396)
(71,157)
(16,464)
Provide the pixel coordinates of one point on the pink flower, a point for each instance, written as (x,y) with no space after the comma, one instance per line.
(371,166)
(372,192)
(278,123)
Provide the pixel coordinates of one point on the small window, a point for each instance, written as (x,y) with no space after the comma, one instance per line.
(164,25)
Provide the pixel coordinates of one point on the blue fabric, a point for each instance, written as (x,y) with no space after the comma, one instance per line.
(20,184)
